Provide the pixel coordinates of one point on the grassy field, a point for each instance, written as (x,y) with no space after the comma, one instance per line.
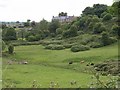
(45,66)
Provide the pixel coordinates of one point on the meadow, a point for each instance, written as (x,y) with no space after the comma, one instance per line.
(46,66)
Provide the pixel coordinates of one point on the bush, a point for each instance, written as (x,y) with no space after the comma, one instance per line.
(31,38)
(59,31)
(3,45)
(72,32)
(103,14)
(68,45)
(98,28)
(95,45)
(115,30)
(10,49)
(54,47)
(106,40)
(107,17)
(78,48)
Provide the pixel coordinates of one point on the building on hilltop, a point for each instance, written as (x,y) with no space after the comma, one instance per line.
(64,18)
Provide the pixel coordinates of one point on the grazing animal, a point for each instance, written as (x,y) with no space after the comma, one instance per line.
(25,62)
(82,61)
(71,62)
(92,64)
(87,65)
(10,62)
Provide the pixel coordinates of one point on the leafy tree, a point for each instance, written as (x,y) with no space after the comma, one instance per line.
(10,34)
(103,14)
(53,26)
(98,28)
(106,40)
(107,17)
(62,14)
(3,45)
(59,31)
(88,11)
(115,8)
(99,9)
(116,30)
(43,25)
(72,32)
(10,49)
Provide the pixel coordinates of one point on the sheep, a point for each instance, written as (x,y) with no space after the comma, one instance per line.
(92,64)
(82,61)
(25,62)
(10,62)
(70,62)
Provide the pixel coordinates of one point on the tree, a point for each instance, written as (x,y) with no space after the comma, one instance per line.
(98,28)
(53,26)
(115,8)
(3,45)
(99,9)
(72,32)
(116,30)
(107,17)
(62,14)
(88,11)
(10,34)
(105,39)
(10,49)
(43,25)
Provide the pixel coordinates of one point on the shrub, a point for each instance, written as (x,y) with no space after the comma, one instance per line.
(115,30)
(98,28)
(106,40)
(59,31)
(54,47)
(78,48)
(3,45)
(103,14)
(10,49)
(31,38)
(95,45)
(68,45)
(107,17)
(72,32)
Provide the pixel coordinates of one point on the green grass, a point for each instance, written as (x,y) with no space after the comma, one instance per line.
(47,65)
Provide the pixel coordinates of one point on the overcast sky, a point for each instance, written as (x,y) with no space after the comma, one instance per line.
(21,10)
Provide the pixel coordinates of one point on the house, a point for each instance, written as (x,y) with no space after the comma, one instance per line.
(64,18)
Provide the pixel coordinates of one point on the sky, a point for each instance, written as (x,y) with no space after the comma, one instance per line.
(36,10)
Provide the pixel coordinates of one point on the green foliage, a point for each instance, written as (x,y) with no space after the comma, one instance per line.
(43,25)
(107,17)
(116,30)
(54,47)
(62,14)
(88,11)
(31,38)
(10,34)
(97,9)
(59,31)
(53,26)
(68,45)
(10,49)
(115,8)
(78,48)
(106,40)
(103,14)
(3,45)
(95,45)
(98,28)
(72,32)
